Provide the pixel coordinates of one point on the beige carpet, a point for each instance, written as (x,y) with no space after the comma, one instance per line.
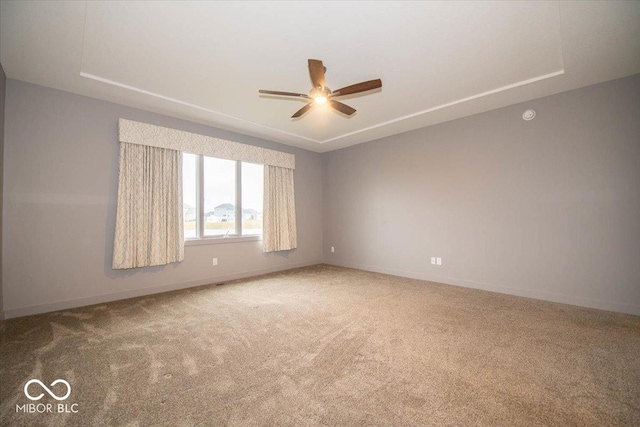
(326,346)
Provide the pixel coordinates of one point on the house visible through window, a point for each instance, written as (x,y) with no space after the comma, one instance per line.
(222,198)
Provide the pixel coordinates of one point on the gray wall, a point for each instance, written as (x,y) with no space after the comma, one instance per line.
(548,209)
(3,83)
(61,166)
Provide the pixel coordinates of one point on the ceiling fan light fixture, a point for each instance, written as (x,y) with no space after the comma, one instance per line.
(321,94)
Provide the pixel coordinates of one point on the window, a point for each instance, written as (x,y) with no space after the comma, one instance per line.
(222,198)
(252,195)
(189,194)
(219,197)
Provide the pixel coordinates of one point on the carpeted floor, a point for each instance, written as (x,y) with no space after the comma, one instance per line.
(326,346)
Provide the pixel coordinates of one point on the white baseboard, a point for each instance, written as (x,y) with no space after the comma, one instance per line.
(99,299)
(528,293)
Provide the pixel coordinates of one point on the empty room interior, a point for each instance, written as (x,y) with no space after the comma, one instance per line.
(317,213)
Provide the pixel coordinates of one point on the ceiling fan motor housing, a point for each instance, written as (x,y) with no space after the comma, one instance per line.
(320,94)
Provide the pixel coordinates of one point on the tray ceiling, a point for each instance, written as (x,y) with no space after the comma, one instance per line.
(205,61)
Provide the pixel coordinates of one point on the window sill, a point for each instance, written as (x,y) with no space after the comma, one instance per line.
(220,240)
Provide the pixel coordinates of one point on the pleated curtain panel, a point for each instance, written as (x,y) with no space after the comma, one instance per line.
(149,226)
(149,218)
(279,210)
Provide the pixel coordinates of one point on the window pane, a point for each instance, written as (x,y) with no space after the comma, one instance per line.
(189,194)
(219,197)
(252,185)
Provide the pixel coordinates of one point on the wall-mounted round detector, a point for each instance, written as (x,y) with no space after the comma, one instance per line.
(529,114)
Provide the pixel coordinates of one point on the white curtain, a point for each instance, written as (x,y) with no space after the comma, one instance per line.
(279,214)
(149,227)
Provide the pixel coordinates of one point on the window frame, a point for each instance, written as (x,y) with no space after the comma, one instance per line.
(201,238)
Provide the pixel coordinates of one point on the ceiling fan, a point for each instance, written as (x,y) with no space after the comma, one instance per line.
(320,94)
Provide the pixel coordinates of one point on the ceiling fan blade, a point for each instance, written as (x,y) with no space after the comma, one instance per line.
(316,71)
(358,87)
(275,92)
(302,110)
(343,108)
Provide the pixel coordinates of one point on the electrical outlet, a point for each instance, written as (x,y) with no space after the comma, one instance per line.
(439,261)
(215,261)
(333,249)
(433,260)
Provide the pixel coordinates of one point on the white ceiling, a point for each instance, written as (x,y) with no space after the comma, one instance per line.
(205,61)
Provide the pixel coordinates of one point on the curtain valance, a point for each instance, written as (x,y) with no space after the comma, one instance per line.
(173,139)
